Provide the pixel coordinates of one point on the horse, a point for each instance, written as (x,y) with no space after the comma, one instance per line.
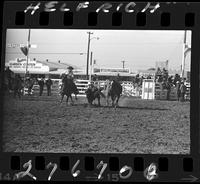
(68,89)
(93,93)
(114,90)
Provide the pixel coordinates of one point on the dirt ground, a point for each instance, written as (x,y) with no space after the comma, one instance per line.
(41,124)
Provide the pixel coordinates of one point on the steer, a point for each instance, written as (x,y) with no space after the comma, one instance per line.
(93,93)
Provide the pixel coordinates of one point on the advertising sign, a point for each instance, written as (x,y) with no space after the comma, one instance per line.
(111,70)
(19,66)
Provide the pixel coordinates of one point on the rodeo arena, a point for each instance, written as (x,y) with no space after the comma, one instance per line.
(52,106)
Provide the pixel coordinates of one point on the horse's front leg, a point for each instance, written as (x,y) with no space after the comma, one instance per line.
(99,102)
(107,100)
(71,99)
(67,99)
(113,101)
(117,100)
(62,96)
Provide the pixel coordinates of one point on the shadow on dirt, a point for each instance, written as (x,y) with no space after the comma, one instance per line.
(144,108)
(119,107)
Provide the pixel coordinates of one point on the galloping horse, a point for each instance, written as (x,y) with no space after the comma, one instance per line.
(69,87)
(113,89)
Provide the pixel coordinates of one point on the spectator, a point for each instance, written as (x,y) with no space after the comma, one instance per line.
(176,78)
(137,79)
(170,79)
(178,91)
(95,78)
(41,84)
(160,79)
(28,84)
(168,87)
(49,84)
(8,76)
(17,86)
(158,72)
(183,91)
(165,75)
(118,78)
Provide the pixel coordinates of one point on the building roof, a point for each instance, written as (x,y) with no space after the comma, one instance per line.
(55,65)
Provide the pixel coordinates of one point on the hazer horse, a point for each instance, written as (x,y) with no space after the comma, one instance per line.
(114,90)
(69,88)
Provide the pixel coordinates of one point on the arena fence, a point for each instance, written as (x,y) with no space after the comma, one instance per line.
(161,94)
(129,89)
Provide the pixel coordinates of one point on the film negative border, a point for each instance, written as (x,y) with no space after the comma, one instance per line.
(108,15)
(112,168)
(114,15)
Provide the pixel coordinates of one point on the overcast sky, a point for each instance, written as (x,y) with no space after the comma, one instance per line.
(140,49)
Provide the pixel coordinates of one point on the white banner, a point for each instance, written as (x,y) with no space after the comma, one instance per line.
(148,89)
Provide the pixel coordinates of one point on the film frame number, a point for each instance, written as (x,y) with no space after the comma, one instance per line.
(125,172)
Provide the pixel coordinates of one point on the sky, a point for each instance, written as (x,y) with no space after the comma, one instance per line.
(140,49)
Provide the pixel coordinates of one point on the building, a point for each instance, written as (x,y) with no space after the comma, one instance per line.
(38,68)
(104,73)
(146,73)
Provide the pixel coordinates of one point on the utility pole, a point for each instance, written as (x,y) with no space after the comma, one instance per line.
(88,52)
(123,63)
(183,55)
(90,78)
(28,46)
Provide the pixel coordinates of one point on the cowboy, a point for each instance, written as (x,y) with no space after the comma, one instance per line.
(49,84)
(41,84)
(70,74)
(28,84)
(168,87)
(183,91)
(178,91)
(118,77)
